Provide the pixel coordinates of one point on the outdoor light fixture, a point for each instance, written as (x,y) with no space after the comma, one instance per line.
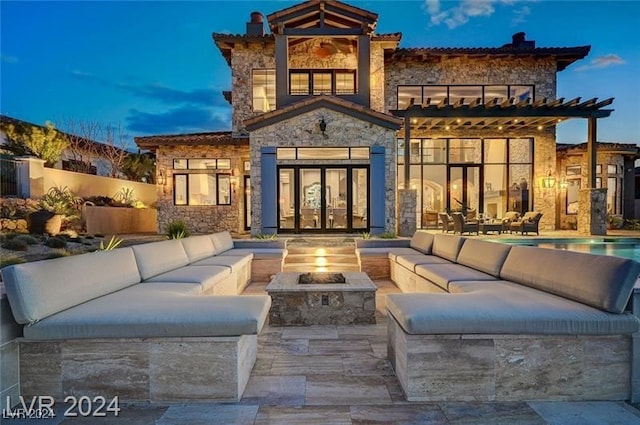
(564,184)
(323,125)
(549,181)
(162,178)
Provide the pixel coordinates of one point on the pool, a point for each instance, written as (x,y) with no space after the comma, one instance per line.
(619,247)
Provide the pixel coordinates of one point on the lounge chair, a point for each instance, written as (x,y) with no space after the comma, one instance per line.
(509,217)
(460,225)
(447,222)
(528,223)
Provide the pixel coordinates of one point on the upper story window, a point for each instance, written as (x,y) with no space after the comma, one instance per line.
(322,81)
(462,94)
(264,90)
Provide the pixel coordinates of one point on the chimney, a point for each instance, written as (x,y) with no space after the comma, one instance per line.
(256,25)
(519,41)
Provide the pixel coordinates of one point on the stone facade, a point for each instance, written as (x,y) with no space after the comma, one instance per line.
(342,130)
(592,215)
(377,81)
(202,218)
(407,212)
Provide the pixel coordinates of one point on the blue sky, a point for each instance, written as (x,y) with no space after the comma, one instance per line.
(150,67)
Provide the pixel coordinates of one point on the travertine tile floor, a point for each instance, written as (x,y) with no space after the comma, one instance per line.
(340,375)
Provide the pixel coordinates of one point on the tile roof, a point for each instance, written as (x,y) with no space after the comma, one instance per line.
(212,138)
(606,146)
(331,102)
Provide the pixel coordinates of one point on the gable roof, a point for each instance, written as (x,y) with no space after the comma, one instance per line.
(312,103)
(322,14)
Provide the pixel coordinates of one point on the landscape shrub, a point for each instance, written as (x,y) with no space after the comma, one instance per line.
(56,242)
(15,244)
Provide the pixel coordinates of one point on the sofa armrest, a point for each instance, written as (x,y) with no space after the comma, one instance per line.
(382,243)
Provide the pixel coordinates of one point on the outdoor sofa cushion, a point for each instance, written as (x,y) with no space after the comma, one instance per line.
(484,256)
(159,257)
(389,252)
(234,262)
(198,247)
(39,289)
(413,260)
(447,246)
(257,253)
(501,307)
(155,310)
(222,241)
(601,281)
(422,241)
(206,276)
(443,274)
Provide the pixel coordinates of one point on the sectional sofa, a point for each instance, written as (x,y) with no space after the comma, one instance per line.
(487,321)
(155,322)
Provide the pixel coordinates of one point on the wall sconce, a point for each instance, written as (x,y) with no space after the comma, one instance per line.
(564,184)
(233,179)
(549,181)
(162,178)
(323,125)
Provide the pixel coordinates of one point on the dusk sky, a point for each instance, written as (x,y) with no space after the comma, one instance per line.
(151,67)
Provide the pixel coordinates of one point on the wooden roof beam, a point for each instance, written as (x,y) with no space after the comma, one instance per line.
(475,102)
(572,102)
(539,102)
(508,102)
(443,102)
(458,103)
(523,103)
(602,103)
(493,102)
(588,103)
(556,103)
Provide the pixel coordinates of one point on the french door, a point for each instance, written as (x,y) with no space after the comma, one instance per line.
(464,188)
(323,199)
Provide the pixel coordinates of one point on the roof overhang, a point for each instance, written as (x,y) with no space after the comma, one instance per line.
(507,115)
(330,102)
(194,139)
(227,42)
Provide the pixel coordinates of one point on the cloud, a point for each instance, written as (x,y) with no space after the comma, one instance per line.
(456,16)
(8,59)
(520,16)
(184,119)
(602,62)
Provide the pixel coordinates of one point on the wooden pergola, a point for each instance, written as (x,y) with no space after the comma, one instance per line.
(505,116)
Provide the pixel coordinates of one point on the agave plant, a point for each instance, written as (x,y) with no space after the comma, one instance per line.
(113,243)
(177,229)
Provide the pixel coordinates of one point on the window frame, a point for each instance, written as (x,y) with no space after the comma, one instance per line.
(207,172)
(266,83)
(333,72)
(448,87)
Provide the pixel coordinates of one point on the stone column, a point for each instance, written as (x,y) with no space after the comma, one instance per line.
(30,177)
(592,215)
(407,200)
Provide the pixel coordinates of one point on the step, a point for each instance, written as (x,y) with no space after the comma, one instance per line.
(330,259)
(319,251)
(312,267)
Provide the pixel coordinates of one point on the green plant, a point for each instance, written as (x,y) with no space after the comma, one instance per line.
(113,243)
(388,235)
(365,235)
(60,200)
(125,196)
(28,239)
(15,244)
(43,142)
(8,260)
(56,242)
(267,237)
(177,229)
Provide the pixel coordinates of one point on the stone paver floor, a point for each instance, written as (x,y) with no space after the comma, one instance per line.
(340,375)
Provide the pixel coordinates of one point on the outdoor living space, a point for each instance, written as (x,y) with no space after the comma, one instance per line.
(341,374)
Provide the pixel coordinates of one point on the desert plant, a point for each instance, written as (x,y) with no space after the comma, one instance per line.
(113,243)
(8,260)
(366,235)
(267,237)
(15,244)
(388,235)
(56,242)
(177,229)
(28,239)
(125,196)
(57,253)
(60,200)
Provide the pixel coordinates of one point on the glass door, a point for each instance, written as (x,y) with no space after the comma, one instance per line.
(464,189)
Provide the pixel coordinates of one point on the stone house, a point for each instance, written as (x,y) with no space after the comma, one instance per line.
(323,107)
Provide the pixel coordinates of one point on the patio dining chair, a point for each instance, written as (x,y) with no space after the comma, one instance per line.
(460,225)
(447,222)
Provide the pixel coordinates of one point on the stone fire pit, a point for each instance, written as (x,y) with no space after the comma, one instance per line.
(321,278)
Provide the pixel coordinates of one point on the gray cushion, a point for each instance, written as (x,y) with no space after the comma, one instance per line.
(183,288)
(205,276)
(447,246)
(234,262)
(422,241)
(259,243)
(159,257)
(601,281)
(411,261)
(388,252)
(504,309)
(198,247)
(138,312)
(258,253)
(41,288)
(484,256)
(382,243)
(443,274)
(222,241)
(394,252)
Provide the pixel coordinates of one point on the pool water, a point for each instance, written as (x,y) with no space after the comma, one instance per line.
(619,247)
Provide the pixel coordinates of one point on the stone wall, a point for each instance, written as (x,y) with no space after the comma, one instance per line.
(204,218)
(341,55)
(243,61)
(539,72)
(342,130)
(377,82)
(407,212)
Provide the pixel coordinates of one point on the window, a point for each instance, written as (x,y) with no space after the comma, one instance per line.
(495,151)
(201,164)
(198,189)
(264,90)
(322,81)
(299,83)
(613,205)
(433,95)
(599,169)
(612,169)
(465,151)
(345,82)
(466,94)
(434,151)
(574,170)
(573,195)
(322,153)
